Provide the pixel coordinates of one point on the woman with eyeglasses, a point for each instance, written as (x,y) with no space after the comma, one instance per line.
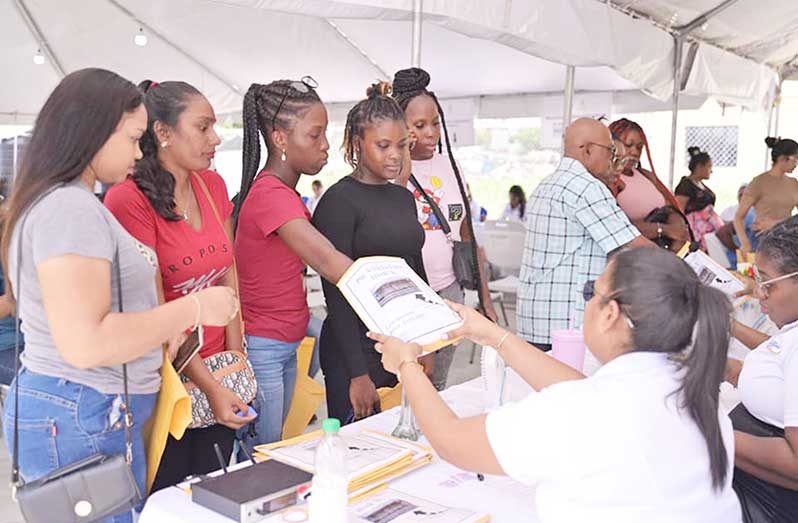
(766,422)
(275,239)
(772,194)
(643,439)
(650,206)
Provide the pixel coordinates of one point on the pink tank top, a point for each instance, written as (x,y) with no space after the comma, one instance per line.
(640,196)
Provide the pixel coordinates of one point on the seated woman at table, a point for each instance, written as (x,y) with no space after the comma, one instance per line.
(643,439)
(766,422)
(639,192)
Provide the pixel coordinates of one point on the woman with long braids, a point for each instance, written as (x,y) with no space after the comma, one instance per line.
(364,214)
(439,177)
(275,239)
(179,208)
(65,254)
(642,439)
(639,191)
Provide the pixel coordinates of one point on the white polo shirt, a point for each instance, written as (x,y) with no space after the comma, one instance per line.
(768,383)
(614,448)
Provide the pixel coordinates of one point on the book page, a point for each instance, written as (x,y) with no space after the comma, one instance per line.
(390,298)
(712,274)
(393,506)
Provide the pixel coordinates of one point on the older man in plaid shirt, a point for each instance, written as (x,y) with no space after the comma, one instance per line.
(573,223)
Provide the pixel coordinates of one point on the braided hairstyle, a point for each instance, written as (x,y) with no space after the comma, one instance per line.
(407,85)
(697,157)
(263,113)
(781,147)
(165,102)
(378,105)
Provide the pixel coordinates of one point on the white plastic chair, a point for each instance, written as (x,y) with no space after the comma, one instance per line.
(504,244)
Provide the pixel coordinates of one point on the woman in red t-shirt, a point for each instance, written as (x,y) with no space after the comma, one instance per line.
(165,206)
(275,239)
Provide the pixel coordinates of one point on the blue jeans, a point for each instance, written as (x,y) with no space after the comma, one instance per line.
(61,422)
(274,362)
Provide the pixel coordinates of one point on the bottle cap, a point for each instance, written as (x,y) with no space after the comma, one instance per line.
(331,425)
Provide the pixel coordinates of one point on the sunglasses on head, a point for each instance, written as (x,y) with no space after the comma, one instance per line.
(589,292)
(304,86)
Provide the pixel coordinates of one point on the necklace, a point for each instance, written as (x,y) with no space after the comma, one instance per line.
(185,212)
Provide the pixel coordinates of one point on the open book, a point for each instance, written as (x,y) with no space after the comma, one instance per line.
(392,506)
(713,274)
(390,298)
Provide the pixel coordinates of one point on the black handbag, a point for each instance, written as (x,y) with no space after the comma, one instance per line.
(661,215)
(93,488)
(464,256)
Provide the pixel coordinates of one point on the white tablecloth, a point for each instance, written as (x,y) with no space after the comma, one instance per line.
(504,499)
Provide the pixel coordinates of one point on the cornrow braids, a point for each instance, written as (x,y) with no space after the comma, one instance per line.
(407,85)
(165,102)
(268,107)
(378,105)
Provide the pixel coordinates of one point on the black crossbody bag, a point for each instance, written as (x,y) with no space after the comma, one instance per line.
(93,488)
(464,257)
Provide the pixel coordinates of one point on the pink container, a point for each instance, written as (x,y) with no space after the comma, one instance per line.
(568,346)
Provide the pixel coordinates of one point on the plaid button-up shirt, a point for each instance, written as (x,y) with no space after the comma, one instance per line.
(573,222)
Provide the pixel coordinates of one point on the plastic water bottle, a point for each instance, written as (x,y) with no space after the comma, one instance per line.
(329,499)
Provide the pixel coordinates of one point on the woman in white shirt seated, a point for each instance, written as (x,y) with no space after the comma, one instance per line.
(642,440)
(766,423)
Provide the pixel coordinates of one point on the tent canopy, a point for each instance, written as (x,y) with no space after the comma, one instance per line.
(495,48)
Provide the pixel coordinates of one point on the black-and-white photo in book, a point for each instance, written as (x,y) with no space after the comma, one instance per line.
(713,274)
(390,298)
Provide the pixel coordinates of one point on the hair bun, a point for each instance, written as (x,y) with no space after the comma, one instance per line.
(379,89)
(771,141)
(694,150)
(408,80)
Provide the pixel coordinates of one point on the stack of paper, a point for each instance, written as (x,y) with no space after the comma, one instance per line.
(373,460)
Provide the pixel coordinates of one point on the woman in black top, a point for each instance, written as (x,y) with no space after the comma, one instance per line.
(696,199)
(365,215)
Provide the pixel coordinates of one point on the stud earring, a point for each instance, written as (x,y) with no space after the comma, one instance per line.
(164,144)
(282,156)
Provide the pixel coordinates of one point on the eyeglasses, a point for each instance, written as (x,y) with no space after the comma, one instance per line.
(304,86)
(610,148)
(589,292)
(767,284)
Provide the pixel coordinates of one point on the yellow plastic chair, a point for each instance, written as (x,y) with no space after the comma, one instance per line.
(390,397)
(308,393)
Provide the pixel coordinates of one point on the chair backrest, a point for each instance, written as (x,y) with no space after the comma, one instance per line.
(503,242)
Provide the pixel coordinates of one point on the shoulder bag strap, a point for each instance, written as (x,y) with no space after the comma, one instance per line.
(15,477)
(234,267)
(447,229)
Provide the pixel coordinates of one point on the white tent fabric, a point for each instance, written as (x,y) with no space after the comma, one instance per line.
(472,48)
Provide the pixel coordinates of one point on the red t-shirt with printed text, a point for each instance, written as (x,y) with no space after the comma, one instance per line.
(190,260)
(273,299)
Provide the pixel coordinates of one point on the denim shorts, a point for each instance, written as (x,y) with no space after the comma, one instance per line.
(61,422)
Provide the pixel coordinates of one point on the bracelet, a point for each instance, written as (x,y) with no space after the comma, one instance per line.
(504,338)
(199,311)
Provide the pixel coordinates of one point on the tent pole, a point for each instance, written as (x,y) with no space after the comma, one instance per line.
(778,110)
(677,87)
(415,52)
(41,40)
(568,105)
